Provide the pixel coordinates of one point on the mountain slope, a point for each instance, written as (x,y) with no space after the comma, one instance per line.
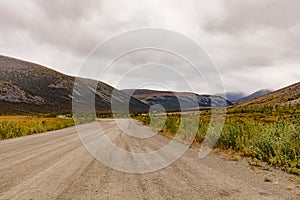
(289,95)
(30,88)
(174,101)
(254,95)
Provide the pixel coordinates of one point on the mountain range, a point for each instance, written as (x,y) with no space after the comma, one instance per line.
(239,97)
(174,101)
(27,88)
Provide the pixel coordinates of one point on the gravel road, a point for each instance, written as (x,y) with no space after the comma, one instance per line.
(55,165)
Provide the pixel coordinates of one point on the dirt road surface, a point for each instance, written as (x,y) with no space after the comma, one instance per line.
(55,165)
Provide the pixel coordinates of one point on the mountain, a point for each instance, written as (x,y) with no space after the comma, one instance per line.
(289,95)
(175,101)
(30,88)
(233,97)
(253,95)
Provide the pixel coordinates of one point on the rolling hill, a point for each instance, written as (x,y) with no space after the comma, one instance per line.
(171,100)
(289,95)
(30,88)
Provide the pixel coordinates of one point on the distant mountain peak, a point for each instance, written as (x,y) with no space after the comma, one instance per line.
(256,94)
(232,96)
(289,95)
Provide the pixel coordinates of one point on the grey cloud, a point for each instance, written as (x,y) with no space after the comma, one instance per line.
(255,15)
(266,28)
(251,42)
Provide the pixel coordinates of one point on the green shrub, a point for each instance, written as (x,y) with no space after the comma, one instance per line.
(15,129)
(253,131)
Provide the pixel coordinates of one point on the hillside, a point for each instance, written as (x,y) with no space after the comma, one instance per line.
(289,95)
(170,100)
(30,88)
(253,95)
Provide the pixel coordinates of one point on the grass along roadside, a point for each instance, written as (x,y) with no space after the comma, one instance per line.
(273,138)
(17,126)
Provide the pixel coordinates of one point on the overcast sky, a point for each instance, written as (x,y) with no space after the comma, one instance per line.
(255,44)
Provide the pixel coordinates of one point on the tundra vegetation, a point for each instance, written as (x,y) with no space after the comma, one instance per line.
(265,133)
(22,125)
(16,126)
(269,134)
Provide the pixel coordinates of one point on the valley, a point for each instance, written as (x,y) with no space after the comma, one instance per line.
(259,139)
